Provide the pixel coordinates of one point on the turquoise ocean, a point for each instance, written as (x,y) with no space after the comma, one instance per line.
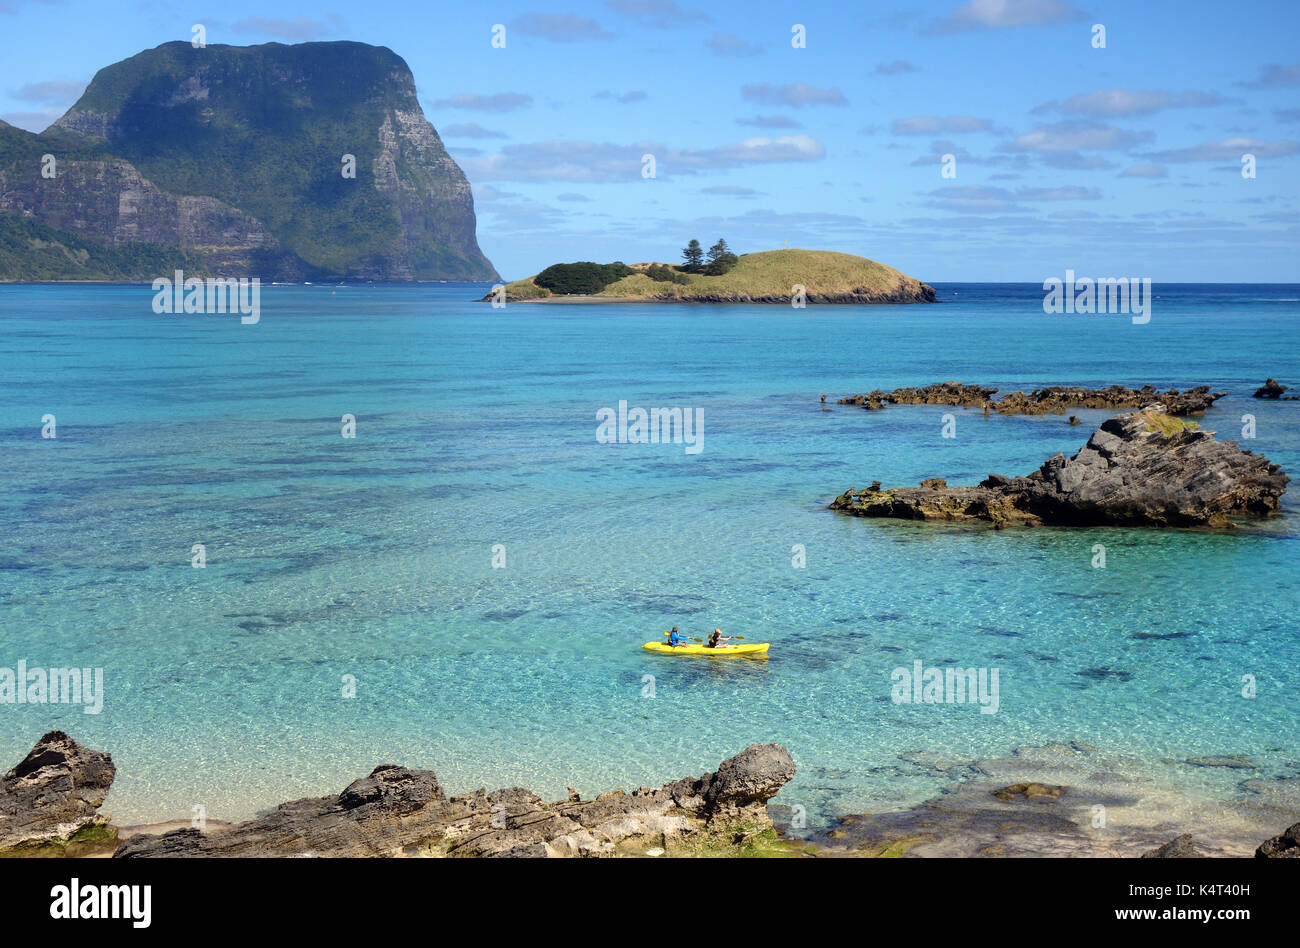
(372,556)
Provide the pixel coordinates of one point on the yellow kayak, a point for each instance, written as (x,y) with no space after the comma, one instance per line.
(757,648)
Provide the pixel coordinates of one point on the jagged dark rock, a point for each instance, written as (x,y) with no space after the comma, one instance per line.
(1055,399)
(396,811)
(1283,846)
(1272,389)
(1143,468)
(940,393)
(1180,847)
(53,795)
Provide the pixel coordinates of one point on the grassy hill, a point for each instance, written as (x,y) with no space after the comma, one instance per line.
(765,277)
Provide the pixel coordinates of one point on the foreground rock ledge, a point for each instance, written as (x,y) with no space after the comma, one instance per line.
(49,802)
(59,786)
(1143,468)
(400,812)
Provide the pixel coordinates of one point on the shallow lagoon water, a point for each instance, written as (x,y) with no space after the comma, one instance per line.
(372,556)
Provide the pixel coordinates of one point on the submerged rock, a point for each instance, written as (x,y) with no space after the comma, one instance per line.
(1041,401)
(396,811)
(1231,761)
(1029,791)
(1143,468)
(52,797)
(1180,847)
(1065,799)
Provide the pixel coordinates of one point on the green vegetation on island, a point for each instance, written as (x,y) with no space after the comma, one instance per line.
(583,278)
(771,276)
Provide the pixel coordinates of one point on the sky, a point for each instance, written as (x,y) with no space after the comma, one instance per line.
(1115,160)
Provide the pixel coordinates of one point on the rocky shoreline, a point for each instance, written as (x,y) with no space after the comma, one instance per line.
(1144,468)
(49,806)
(1053,400)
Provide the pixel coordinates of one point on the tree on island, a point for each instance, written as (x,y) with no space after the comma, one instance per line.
(693,255)
(721,259)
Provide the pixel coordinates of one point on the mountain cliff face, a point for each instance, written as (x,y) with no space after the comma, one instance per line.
(233,157)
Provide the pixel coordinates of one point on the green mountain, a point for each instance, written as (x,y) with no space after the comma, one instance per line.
(232,157)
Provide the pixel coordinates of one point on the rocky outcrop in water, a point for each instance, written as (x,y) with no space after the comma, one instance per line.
(1286,845)
(1273,389)
(52,797)
(1054,400)
(1144,468)
(396,811)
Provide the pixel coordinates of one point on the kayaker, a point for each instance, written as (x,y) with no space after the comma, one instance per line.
(676,639)
(717,639)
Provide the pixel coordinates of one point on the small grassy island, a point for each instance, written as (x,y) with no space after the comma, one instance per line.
(770,276)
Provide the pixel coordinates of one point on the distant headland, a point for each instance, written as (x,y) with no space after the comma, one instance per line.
(771,276)
(287,163)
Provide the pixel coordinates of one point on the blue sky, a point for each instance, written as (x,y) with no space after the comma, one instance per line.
(1122,161)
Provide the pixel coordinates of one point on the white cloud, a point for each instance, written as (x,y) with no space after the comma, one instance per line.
(980,199)
(559,27)
(636,95)
(52,92)
(1145,171)
(796,94)
(1230,149)
(1116,103)
(470,130)
(934,124)
(1274,76)
(1072,136)
(32,121)
(603,161)
(1005,14)
(893,68)
(300,29)
(664,14)
(729,44)
(730,190)
(770,121)
(500,102)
